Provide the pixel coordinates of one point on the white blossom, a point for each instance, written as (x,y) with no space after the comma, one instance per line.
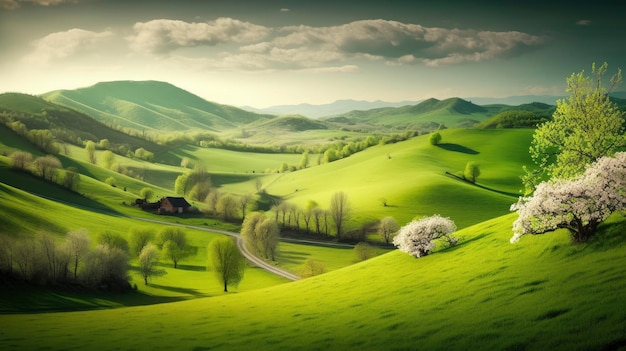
(417,237)
(579,204)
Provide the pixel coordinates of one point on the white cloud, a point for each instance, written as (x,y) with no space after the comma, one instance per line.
(284,9)
(584,22)
(162,36)
(13,4)
(319,48)
(61,45)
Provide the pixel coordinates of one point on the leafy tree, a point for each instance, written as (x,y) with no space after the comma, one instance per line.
(7,252)
(331,155)
(104,144)
(363,251)
(180,184)
(20,159)
(435,138)
(47,166)
(110,181)
(268,233)
(579,204)
(249,233)
(339,210)
(418,237)
(72,178)
(312,267)
(227,207)
(146,193)
(139,238)
(113,240)
(78,243)
(106,266)
(584,127)
(184,162)
(472,171)
(388,227)
(304,161)
(148,263)
(201,190)
(90,148)
(173,243)
(226,261)
(107,158)
(244,203)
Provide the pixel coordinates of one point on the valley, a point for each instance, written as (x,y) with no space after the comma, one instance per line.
(149,138)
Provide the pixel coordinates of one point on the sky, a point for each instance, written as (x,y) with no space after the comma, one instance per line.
(275,52)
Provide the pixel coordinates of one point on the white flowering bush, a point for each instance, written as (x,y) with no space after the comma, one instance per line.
(579,204)
(418,237)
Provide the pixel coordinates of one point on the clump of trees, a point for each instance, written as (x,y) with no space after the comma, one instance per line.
(578,205)
(418,237)
(46,167)
(226,262)
(312,267)
(261,235)
(173,244)
(48,261)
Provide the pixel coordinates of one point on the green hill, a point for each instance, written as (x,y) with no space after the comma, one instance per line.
(151,105)
(485,294)
(65,123)
(453,112)
(411,177)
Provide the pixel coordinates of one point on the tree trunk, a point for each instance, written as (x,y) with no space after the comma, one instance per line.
(145,280)
(225,286)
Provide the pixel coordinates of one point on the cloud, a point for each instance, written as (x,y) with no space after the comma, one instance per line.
(13,4)
(394,42)
(317,48)
(284,9)
(61,45)
(162,36)
(584,22)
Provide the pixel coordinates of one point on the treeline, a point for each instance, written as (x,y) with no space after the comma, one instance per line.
(43,260)
(46,167)
(515,119)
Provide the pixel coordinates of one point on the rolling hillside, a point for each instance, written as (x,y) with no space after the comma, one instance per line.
(453,112)
(411,176)
(540,294)
(151,105)
(66,123)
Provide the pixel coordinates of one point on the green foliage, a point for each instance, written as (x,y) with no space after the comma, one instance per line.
(113,240)
(148,263)
(585,126)
(363,251)
(435,138)
(226,262)
(146,193)
(110,181)
(516,119)
(90,148)
(173,244)
(471,172)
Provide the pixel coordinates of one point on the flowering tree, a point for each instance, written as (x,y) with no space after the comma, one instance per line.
(579,204)
(418,237)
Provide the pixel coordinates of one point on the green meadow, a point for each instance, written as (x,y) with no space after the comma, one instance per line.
(541,293)
(485,293)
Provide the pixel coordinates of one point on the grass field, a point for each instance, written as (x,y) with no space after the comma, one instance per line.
(411,176)
(542,293)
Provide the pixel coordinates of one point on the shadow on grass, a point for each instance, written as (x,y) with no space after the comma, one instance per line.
(462,179)
(190,267)
(292,257)
(458,148)
(463,243)
(179,290)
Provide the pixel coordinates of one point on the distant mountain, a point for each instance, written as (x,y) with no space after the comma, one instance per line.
(515,100)
(152,105)
(453,112)
(323,110)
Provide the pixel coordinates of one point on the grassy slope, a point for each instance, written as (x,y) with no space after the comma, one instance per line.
(539,294)
(151,105)
(413,180)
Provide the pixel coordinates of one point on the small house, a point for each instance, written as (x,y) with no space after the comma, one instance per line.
(174,205)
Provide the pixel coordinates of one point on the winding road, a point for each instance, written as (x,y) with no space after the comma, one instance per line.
(240,241)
